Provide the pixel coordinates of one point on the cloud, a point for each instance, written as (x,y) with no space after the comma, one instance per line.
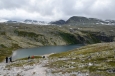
(49,10)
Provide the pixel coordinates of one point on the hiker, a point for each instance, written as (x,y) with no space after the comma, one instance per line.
(10,59)
(28,57)
(32,57)
(6,59)
(43,56)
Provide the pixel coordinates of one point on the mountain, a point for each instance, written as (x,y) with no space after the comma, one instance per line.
(83,20)
(110,22)
(59,22)
(74,20)
(28,21)
(79,20)
(11,21)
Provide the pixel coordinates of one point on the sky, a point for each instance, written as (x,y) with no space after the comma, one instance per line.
(51,10)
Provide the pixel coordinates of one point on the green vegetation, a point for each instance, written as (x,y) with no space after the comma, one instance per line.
(2,33)
(69,38)
(35,57)
(95,59)
(95,40)
(28,34)
(24,61)
(5,51)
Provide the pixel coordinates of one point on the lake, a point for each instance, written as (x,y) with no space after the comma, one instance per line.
(21,53)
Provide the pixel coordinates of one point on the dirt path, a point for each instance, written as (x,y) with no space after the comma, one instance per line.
(35,70)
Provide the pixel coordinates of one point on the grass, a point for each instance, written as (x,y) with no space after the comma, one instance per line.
(4,53)
(100,55)
(26,58)
(42,34)
(101,74)
(69,38)
(26,33)
(7,51)
(24,61)
(112,63)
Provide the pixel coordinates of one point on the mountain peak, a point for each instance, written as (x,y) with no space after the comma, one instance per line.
(59,22)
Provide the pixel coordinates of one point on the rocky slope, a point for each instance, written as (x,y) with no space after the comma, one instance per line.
(95,60)
(19,35)
(27,35)
(91,60)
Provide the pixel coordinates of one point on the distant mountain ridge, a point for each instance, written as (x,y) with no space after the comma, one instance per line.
(59,22)
(29,21)
(76,20)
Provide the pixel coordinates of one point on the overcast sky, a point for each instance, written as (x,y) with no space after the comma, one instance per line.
(50,10)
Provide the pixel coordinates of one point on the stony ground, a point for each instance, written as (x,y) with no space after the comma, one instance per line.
(91,60)
(13,69)
(33,67)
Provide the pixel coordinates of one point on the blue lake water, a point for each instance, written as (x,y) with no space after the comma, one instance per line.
(21,53)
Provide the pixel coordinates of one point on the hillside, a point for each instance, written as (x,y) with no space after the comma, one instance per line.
(90,60)
(18,35)
(95,60)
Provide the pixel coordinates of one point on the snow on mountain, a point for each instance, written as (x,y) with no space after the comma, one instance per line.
(28,21)
(75,20)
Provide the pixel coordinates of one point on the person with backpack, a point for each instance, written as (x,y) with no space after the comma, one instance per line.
(10,59)
(6,59)
(28,58)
